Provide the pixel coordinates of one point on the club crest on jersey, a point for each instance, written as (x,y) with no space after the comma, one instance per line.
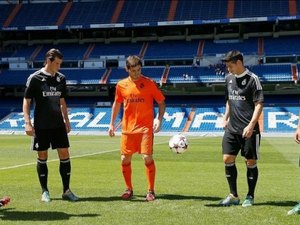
(57,79)
(244,82)
(142,85)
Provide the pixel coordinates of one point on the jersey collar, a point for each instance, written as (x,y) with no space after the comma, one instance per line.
(134,81)
(46,73)
(242,74)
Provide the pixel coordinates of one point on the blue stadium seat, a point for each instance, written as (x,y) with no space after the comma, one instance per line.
(282,46)
(5,11)
(206,118)
(175,118)
(14,77)
(42,14)
(193,74)
(201,10)
(172,49)
(86,13)
(247,47)
(116,49)
(257,8)
(70,51)
(144,11)
(83,76)
(273,73)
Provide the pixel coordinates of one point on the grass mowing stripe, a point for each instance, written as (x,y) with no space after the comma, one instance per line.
(189,186)
(72,157)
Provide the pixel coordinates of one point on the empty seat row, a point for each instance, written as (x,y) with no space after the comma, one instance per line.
(84,14)
(156,50)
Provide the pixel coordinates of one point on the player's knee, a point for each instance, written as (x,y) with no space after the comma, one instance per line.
(250,163)
(228,159)
(147,159)
(43,155)
(125,160)
(63,153)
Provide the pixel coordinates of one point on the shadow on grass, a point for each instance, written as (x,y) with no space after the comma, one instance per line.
(142,198)
(278,203)
(270,203)
(187,197)
(97,199)
(10,214)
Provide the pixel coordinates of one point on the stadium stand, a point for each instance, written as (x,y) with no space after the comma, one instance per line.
(144,11)
(115,49)
(83,76)
(273,73)
(261,8)
(71,51)
(195,10)
(281,46)
(181,44)
(247,46)
(193,74)
(5,11)
(205,119)
(43,14)
(83,14)
(14,77)
(172,49)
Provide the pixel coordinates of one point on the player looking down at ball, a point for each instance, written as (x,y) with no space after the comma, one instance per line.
(46,88)
(137,94)
(244,104)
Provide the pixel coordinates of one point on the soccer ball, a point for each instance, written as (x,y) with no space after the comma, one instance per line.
(178,143)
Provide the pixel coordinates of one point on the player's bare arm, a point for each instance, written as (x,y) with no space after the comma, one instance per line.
(158,121)
(226,115)
(248,130)
(26,111)
(297,134)
(64,111)
(114,112)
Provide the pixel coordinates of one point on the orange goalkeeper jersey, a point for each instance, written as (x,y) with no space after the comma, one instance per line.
(138,99)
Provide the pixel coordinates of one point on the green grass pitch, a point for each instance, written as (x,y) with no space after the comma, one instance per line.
(189,186)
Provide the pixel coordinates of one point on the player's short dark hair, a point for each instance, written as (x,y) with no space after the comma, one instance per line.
(233,56)
(53,53)
(133,61)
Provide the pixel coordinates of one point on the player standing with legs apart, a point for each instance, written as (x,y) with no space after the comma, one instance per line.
(47,88)
(137,94)
(244,105)
(296,209)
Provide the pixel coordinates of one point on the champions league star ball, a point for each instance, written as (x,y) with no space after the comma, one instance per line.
(178,143)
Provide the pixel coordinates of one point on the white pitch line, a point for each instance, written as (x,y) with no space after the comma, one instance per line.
(54,160)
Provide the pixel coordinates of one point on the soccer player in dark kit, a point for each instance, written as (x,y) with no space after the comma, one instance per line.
(47,89)
(244,104)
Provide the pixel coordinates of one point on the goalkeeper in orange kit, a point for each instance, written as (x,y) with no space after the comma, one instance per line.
(137,93)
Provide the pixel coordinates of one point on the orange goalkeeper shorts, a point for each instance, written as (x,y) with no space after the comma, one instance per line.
(137,143)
